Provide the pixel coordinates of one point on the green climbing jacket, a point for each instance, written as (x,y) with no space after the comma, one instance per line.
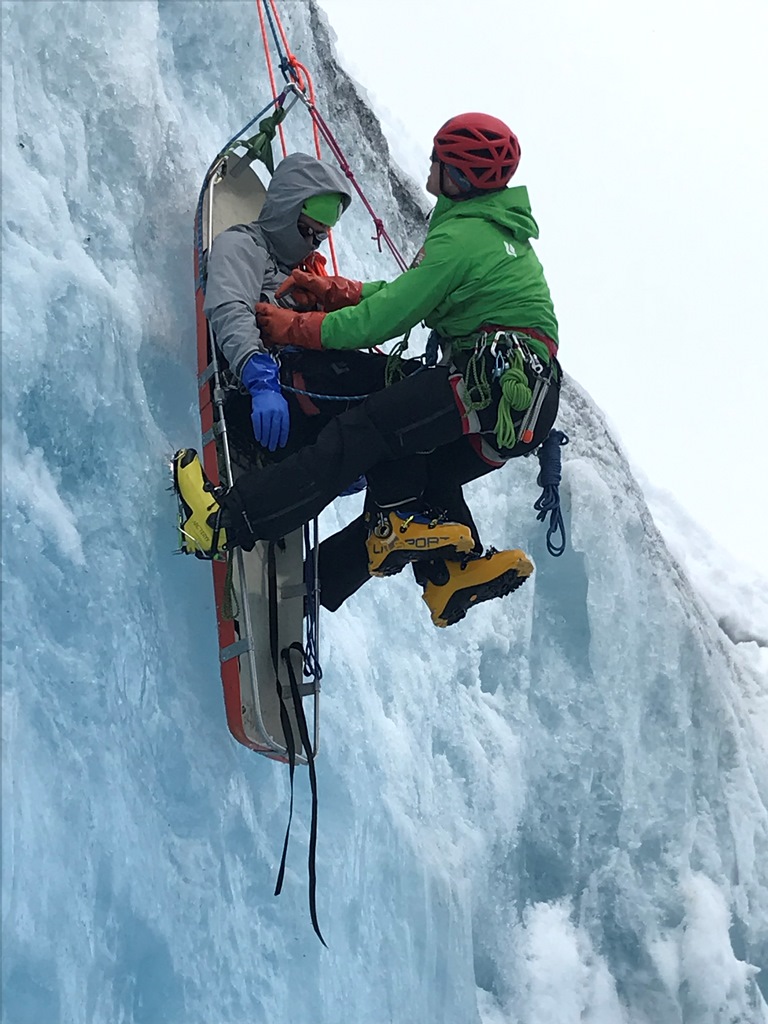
(478,268)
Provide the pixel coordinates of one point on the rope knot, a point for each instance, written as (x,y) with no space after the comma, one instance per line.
(379,225)
(514,388)
(515,394)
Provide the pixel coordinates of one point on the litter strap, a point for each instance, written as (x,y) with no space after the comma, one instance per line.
(285,720)
(301,721)
(312,668)
(290,742)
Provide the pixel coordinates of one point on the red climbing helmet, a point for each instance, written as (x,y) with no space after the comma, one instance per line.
(482,147)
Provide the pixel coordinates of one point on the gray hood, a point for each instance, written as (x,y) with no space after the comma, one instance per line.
(296,178)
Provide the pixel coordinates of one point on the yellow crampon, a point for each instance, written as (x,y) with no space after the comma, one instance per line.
(199,511)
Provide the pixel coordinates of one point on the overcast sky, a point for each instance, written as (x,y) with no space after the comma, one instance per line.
(644,134)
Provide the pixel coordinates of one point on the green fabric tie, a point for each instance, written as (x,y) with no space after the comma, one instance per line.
(259,146)
(515,394)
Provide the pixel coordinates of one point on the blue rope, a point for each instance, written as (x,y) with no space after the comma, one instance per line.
(285,66)
(325,398)
(341,398)
(550,463)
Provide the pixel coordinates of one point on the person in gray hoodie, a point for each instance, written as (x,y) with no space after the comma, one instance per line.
(246,265)
(275,407)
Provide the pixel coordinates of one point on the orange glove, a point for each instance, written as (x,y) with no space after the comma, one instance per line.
(330,292)
(286,327)
(303,300)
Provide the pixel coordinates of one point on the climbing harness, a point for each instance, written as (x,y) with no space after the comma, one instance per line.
(511,351)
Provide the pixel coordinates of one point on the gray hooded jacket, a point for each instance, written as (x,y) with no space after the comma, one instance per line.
(247,262)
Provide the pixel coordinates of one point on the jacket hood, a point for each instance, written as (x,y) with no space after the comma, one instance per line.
(296,178)
(510,208)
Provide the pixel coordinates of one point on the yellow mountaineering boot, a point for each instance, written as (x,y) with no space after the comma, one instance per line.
(199,511)
(469,582)
(397,539)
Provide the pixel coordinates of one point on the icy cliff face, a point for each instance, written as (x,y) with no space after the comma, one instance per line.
(552,812)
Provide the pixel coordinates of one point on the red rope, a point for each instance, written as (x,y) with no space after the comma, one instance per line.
(270,70)
(319,127)
(381,231)
(299,73)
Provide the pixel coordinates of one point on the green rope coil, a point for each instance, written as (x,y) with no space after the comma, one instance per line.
(515,394)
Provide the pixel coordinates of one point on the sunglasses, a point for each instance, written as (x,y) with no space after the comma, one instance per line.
(312,235)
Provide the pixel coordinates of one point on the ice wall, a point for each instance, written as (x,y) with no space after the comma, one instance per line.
(553,812)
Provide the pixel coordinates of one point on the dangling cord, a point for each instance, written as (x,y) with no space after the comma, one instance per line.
(515,394)
(550,461)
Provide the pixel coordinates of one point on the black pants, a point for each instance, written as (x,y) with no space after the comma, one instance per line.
(343,563)
(344,377)
(407,439)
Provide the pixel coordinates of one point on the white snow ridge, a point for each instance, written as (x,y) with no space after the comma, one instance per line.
(553,812)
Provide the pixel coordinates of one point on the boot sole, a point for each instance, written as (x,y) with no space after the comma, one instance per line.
(459,603)
(181,460)
(182,463)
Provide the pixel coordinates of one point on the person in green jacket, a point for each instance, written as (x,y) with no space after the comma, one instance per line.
(487,392)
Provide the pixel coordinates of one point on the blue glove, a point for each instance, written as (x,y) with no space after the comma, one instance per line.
(269,410)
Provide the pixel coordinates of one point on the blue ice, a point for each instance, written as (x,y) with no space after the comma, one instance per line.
(551,813)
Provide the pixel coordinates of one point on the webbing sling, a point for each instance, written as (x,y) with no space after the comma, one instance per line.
(301,721)
(290,742)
